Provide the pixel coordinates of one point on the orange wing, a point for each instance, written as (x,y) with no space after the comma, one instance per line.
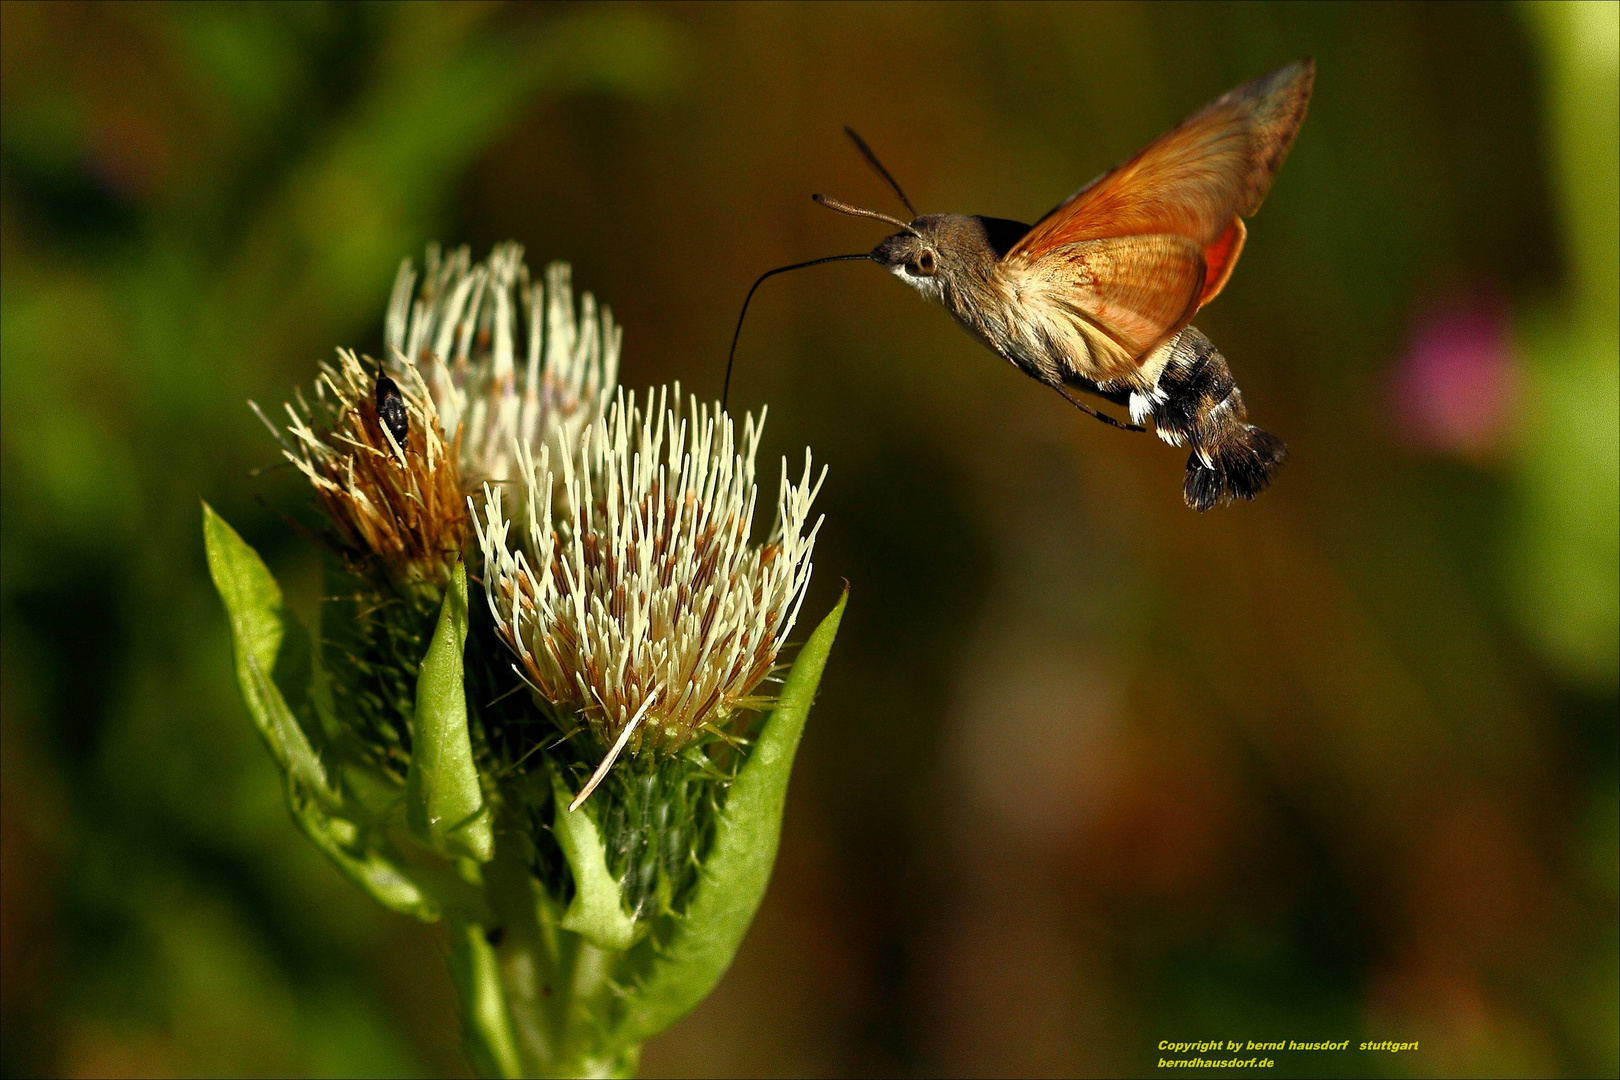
(1195,183)
(1115,293)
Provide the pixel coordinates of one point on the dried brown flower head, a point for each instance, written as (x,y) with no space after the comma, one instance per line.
(399,500)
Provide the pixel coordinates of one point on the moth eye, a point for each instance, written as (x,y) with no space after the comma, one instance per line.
(924,264)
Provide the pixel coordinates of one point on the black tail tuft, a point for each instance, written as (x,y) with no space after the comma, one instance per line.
(1240,467)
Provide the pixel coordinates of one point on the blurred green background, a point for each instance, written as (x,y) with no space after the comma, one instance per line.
(1089,770)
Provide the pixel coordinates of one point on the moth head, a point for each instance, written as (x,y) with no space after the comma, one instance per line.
(912,256)
(943,255)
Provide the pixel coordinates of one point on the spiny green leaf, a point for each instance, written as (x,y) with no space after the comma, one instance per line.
(271,650)
(444,802)
(680,972)
(597,911)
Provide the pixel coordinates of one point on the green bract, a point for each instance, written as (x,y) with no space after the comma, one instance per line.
(558,973)
(445,805)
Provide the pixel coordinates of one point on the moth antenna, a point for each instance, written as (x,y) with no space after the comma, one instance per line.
(856,211)
(731,357)
(872,160)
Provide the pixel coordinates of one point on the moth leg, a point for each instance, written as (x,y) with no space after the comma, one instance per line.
(1087,386)
(1089,411)
(1070,398)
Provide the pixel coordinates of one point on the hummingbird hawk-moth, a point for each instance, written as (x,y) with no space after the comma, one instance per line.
(1098,296)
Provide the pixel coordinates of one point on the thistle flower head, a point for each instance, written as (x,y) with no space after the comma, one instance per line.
(386,479)
(507,361)
(639,609)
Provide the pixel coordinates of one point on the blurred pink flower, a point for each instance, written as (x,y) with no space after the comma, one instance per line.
(1454,388)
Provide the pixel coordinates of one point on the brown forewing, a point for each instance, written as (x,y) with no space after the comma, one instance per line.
(1117,294)
(1180,204)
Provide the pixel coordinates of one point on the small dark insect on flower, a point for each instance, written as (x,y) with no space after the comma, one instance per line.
(391,409)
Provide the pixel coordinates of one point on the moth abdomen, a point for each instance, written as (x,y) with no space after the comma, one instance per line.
(1194,389)
(1197,403)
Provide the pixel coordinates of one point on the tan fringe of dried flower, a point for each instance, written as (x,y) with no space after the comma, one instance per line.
(400,501)
(644,614)
(505,359)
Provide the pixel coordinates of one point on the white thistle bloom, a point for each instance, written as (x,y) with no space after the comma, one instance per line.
(644,613)
(504,358)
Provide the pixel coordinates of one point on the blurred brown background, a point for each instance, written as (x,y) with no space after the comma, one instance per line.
(1089,770)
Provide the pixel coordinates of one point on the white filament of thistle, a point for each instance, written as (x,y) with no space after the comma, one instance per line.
(607,762)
